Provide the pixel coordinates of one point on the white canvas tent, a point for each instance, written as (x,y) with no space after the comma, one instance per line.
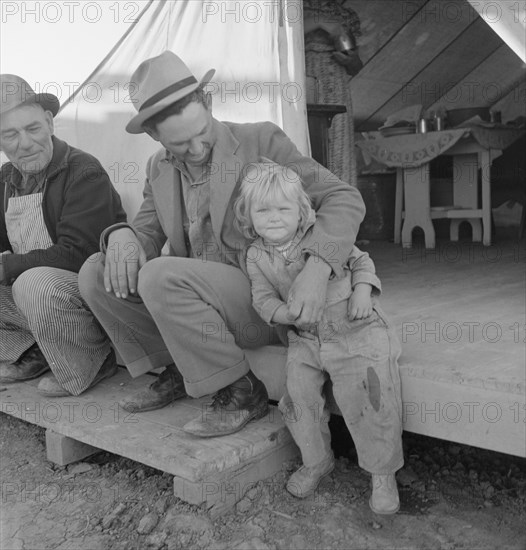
(255,47)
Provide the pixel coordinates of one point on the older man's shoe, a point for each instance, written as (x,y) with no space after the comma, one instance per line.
(49,386)
(303,482)
(384,499)
(232,408)
(31,364)
(168,387)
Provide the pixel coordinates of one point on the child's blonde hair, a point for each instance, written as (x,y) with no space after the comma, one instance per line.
(267,181)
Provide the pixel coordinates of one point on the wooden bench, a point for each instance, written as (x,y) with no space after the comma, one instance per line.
(213,472)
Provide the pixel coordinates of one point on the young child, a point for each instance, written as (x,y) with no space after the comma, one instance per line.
(354,345)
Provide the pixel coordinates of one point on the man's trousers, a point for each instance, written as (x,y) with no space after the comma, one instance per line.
(194,313)
(44,306)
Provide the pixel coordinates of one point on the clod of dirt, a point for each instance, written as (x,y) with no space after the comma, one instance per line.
(244,505)
(253,544)
(80,468)
(147,523)
(161,504)
(156,541)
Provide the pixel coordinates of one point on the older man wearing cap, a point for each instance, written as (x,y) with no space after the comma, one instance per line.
(190,310)
(55,201)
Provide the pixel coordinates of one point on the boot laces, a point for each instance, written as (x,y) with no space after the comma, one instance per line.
(222,398)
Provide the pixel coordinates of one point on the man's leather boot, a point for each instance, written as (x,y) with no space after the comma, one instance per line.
(168,387)
(31,364)
(232,408)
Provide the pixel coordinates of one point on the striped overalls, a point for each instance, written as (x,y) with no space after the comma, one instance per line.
(44,306)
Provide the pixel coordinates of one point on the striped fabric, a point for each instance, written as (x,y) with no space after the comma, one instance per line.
(25,224)
(51,308)
(15,337)
(44,305)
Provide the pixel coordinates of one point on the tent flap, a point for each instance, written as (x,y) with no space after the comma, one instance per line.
(256,49)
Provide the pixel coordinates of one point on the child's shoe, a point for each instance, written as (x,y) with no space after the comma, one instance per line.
(385,499)
(305,481)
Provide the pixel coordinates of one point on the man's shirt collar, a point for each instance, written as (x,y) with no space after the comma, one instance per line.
(32,183)
(181,166)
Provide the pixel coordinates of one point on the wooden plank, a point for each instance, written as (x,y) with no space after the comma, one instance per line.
(63,450)
(468,318)
(380,20)
(444,72)
(221,492)
(488,83)
(484,418)
(413,48)
(154,438)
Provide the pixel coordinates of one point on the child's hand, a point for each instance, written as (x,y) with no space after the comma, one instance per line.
(361,305)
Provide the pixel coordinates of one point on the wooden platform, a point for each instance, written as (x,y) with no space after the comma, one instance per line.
(215,472)
(460,313)
(460,310)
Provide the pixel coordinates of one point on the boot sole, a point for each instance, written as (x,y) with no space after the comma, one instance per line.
(8,380)
(384,513)
(131,409)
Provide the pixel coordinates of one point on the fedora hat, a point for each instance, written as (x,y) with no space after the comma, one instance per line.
(161,81)
(17,92)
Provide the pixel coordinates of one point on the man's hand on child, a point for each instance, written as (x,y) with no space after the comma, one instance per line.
(306,299)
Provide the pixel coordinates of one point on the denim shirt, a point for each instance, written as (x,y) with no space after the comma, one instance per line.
(272,273)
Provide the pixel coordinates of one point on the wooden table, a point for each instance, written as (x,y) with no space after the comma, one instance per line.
(472,149)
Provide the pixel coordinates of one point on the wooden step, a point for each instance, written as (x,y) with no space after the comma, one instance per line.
(215,472)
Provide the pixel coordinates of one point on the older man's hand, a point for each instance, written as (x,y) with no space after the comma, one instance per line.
(307,294)
(124,258)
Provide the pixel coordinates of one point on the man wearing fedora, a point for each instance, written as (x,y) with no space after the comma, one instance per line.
(190,310)
(55,201)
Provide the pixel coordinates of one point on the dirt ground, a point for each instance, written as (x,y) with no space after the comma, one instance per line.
(453,496)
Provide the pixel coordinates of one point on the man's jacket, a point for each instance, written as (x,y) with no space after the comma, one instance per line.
(339,207)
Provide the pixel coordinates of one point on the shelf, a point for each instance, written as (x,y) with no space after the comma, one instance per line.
(456,212)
